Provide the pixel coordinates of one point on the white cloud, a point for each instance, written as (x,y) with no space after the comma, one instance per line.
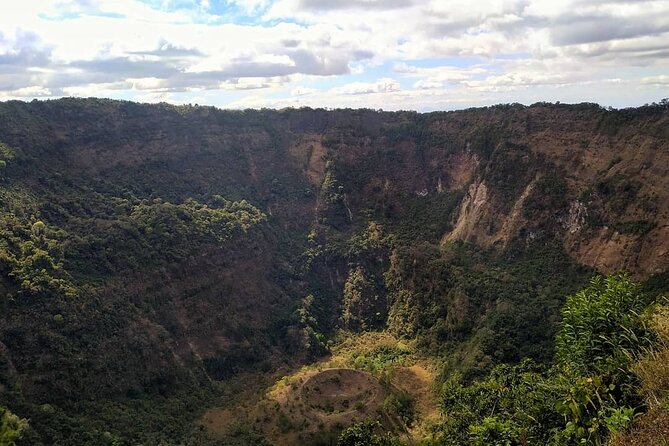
(662,80)
(428,84)
(448,51)
(303,91)
(385,85)
(25,92)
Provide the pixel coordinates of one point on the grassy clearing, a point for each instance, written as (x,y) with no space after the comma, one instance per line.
(370,375)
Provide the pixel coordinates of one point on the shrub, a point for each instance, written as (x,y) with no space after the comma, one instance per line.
(362,434)
(400,403)
(513,404)
(494,432)
(11,427)
(283,423)
(603,328)
(589,393)
(653,368)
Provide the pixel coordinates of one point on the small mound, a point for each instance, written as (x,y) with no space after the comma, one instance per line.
(340,390)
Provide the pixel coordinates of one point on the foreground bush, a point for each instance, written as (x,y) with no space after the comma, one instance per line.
(590,392)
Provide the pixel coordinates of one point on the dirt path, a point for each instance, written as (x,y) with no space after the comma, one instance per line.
(418,380)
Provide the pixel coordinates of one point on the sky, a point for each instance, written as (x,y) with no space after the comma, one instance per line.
(383,54)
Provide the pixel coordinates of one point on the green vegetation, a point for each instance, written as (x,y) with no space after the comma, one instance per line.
(548,195)
(437,294)
(635,227)
(602,328)
(363,308)
(401,405)
(133,296)
(509,168)
(425,218)
(362,434)
(11,427)
(311,339)
(618,192)
(590,392)
(156,231)
(381,358)
(332,208)
(33,255)
(6,156)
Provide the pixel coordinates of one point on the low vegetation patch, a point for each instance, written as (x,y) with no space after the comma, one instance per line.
(590,393)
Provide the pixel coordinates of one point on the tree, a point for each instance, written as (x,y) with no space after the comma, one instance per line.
(362,308)
(603,326)
(589,392)
(310,338)
(362,434)
(11,427)
(332,209)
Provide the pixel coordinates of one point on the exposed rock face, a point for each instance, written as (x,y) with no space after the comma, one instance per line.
(478,222)
(576,219)
(311,153)
(470,221)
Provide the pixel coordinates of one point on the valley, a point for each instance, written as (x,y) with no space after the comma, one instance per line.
(194,276)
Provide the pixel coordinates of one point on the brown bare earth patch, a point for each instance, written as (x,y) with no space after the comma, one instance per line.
(335,390)
(322,404)
(310,407)
(418,381)
(650,429)
(462,168)
(219,421)
(609,251)
(310,153)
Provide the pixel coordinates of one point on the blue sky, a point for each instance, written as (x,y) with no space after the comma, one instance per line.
(390,54)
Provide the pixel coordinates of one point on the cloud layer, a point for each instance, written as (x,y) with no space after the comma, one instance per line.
(391,54)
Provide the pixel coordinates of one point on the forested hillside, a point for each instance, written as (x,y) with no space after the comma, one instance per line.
(158,260)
